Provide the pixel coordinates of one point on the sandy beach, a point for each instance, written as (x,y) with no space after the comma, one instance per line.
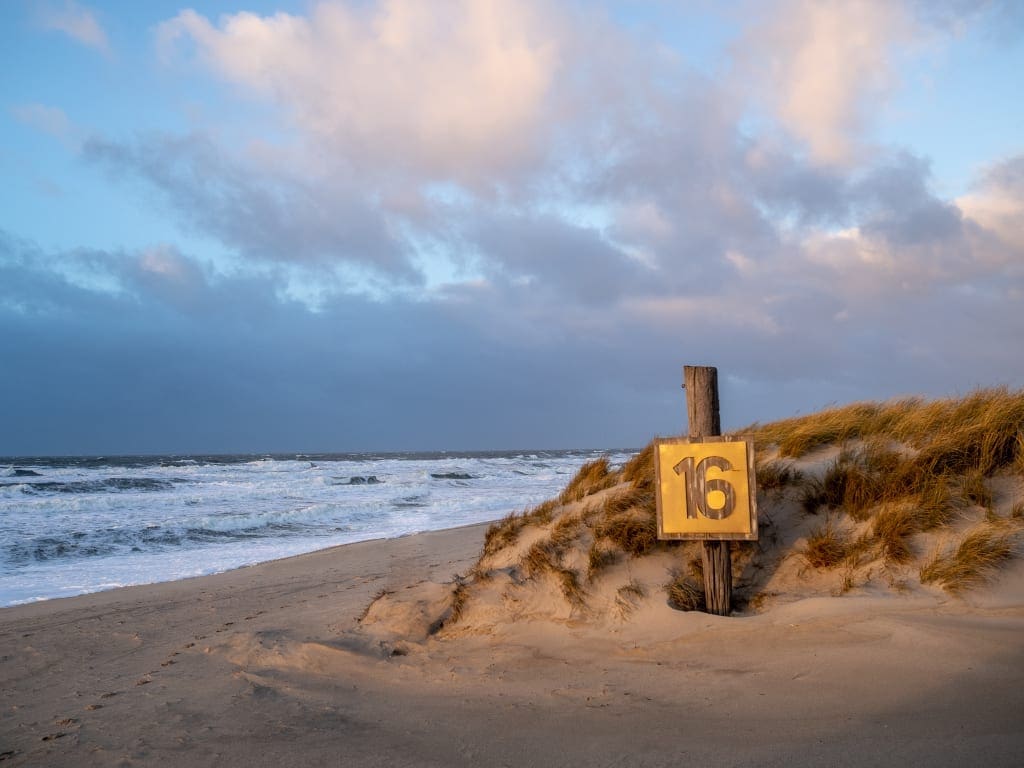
(267,666)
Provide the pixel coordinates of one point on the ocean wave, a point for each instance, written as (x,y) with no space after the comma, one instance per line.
(18,472)
(78,545)
(94,486)
(357,480)
(86,523)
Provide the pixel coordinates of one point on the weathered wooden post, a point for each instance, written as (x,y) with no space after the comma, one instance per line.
(706,486)
(702,411)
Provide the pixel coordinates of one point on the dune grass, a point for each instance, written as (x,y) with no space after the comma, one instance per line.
(826,547)
(639,471)
(776,474)
(685,592)
(634,532)
(904,468)
(460,594)
(973,560)
(594,476)
(979,431)
(599,557)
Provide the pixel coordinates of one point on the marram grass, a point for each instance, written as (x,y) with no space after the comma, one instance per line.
(904,468)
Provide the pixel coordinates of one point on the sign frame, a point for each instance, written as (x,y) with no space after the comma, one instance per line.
(749,535)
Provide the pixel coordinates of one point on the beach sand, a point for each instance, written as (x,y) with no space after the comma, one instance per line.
(267,666)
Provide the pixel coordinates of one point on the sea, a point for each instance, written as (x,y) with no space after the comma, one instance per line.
(74,525)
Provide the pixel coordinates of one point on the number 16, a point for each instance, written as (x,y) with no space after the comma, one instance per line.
(699,488)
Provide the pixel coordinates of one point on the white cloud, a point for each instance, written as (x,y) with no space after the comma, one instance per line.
(825,65)
(454,89)
(997,202)
(78,22)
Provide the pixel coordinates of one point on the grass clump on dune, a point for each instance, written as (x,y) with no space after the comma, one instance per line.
(633,532)
(600,556)
(980,431)
(505,532)
(594,476)
(545,557)
(826,547)
(775,475)
(639,471)
(974,560)
(685,592)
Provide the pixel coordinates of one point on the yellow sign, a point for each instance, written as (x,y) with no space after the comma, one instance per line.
(706,488)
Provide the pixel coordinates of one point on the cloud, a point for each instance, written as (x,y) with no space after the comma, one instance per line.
(824,66)
(997,202)
(78,22)
(266,212)
(412,266)
(223,362)
(455,89)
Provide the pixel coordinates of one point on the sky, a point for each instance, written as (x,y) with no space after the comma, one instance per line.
(369,225)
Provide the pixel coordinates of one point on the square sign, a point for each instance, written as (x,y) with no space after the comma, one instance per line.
(705,488)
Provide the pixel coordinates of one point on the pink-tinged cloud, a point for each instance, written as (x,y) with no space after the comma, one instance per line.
(78,22)
(455,88)
(822,66)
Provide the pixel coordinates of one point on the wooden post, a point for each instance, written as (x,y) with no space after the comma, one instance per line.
(701,385)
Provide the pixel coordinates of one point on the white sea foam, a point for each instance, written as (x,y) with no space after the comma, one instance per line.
(86,525)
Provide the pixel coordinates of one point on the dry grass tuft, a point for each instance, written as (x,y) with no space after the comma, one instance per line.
(542,513)
(593,476)
(502,533)
(893,526)
(639,471)
(775,475)
(812,495)
(976,558)
(936,507)
(601,555)
(633,532)
(973,489)
(540,558)
(460,595)
(685,593)
(640,499)
(566,530)
(572,589)
(505,532)
(628,597)
(826,547)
